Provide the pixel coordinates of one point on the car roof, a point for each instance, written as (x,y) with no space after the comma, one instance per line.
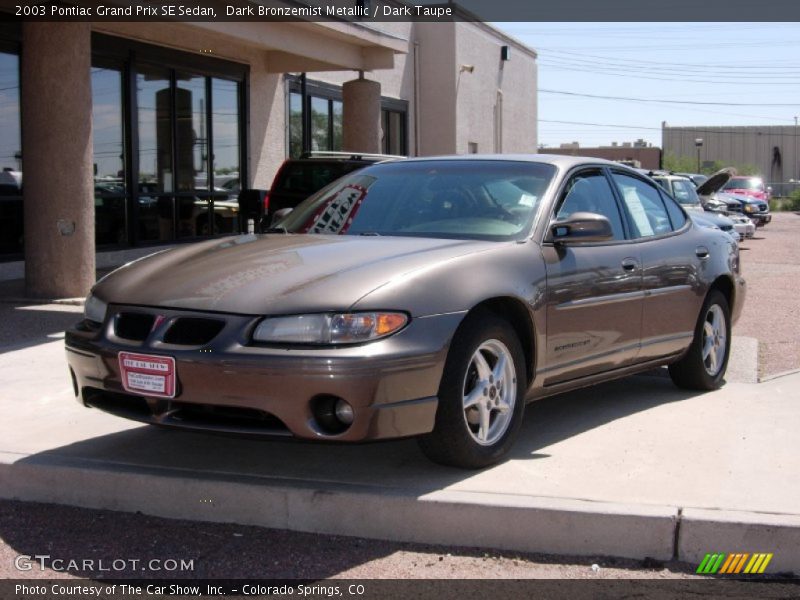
(559,160)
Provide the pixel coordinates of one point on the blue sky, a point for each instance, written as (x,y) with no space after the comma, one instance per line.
(746,73)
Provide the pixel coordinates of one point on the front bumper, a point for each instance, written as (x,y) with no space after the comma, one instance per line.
(746,230)
(760,219)
(229,385)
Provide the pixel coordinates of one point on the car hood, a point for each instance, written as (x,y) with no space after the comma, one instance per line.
(741,198)
(716,181)
(277,274)
(710,218)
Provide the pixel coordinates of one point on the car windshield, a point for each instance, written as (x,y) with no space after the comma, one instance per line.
(470,199)
(750,183)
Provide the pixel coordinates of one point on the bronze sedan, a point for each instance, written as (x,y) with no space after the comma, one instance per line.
(428,297)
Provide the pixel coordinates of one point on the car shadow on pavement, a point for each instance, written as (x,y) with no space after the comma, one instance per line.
(23,326)
(223,551)
(392,464)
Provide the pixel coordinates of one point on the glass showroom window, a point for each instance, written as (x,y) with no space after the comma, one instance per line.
(110,197)
(394,132)
(155,178)
(10,157)
(324,123)
(190,121)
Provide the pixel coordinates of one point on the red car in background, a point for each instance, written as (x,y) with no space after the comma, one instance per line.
(747,186)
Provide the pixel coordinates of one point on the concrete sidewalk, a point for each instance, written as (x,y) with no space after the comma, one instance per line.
(634,468)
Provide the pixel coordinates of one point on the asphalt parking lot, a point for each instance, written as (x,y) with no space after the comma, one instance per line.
(634,468)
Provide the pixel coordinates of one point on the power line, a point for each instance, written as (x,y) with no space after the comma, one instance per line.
(649,63)
(632,99)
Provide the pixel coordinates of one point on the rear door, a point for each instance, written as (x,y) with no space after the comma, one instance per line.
(594,289)
(669,255)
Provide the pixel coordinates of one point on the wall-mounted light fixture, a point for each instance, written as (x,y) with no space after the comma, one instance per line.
(467,68)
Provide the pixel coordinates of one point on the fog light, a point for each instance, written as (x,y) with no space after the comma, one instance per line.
(344,412)
(333,415)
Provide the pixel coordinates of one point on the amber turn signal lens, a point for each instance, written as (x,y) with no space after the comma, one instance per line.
(389,322)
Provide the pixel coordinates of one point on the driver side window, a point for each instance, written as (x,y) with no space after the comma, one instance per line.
(589,191)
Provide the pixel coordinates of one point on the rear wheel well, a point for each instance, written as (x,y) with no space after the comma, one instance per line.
(518,316)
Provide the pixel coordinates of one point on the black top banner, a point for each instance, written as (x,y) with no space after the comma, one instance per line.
(366,11)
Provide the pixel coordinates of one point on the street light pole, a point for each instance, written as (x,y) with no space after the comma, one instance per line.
(795,174)
(698,142)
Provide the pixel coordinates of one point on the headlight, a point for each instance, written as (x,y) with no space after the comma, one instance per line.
(94,309)
(332,328)
(749,208)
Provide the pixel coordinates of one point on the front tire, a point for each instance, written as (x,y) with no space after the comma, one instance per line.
(704,365)
(481,396)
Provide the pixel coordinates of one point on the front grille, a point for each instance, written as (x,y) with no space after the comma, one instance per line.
(762,207)
(193,331)
(231,418)
(726,227)
(187,415)
(133,326)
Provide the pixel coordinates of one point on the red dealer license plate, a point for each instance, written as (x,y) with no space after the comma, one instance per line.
(148,375)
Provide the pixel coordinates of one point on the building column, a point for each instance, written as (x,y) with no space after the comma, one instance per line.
(361,116)
(58,182)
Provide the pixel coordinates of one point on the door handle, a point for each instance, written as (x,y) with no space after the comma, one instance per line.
(701,252)
(630,264)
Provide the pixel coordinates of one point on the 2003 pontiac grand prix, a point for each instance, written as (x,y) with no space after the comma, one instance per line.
(427,297)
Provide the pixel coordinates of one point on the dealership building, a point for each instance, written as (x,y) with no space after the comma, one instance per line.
(121,137)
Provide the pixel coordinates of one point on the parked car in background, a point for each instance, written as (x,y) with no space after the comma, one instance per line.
(697,178)
(11,211)
(684,191)
(753,208)
(747,186)
(429,297)
(298,178)
(712,192)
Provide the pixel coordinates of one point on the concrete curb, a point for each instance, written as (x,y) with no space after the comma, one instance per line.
(703,531)
(778,375)
(509,522)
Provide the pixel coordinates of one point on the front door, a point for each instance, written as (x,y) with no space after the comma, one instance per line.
(594,289)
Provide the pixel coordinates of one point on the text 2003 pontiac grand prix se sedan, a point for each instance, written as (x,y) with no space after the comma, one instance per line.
(429,297)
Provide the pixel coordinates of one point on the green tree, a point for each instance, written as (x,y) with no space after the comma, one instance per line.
(688,164)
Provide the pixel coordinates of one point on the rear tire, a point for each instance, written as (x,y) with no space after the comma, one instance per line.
(704,365)
(481,396)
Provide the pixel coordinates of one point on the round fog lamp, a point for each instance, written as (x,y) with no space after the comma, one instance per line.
(344,412)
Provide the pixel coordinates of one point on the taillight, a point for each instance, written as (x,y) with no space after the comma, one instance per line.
(266,203)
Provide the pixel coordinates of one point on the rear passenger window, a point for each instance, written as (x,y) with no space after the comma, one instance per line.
(644,204)
(675,212)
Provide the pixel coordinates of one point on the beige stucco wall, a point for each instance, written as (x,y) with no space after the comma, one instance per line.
(494,85)
(437,84)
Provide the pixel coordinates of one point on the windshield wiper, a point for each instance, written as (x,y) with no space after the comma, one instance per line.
(371,233)
(275,230)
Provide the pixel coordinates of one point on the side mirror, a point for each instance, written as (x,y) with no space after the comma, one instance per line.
(279,215)
(266,224)
(581,227)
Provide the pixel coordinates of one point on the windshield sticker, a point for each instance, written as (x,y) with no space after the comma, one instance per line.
(337,212)
(637,210)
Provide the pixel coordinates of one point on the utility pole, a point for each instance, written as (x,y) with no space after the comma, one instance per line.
(698,142)
(795,174)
